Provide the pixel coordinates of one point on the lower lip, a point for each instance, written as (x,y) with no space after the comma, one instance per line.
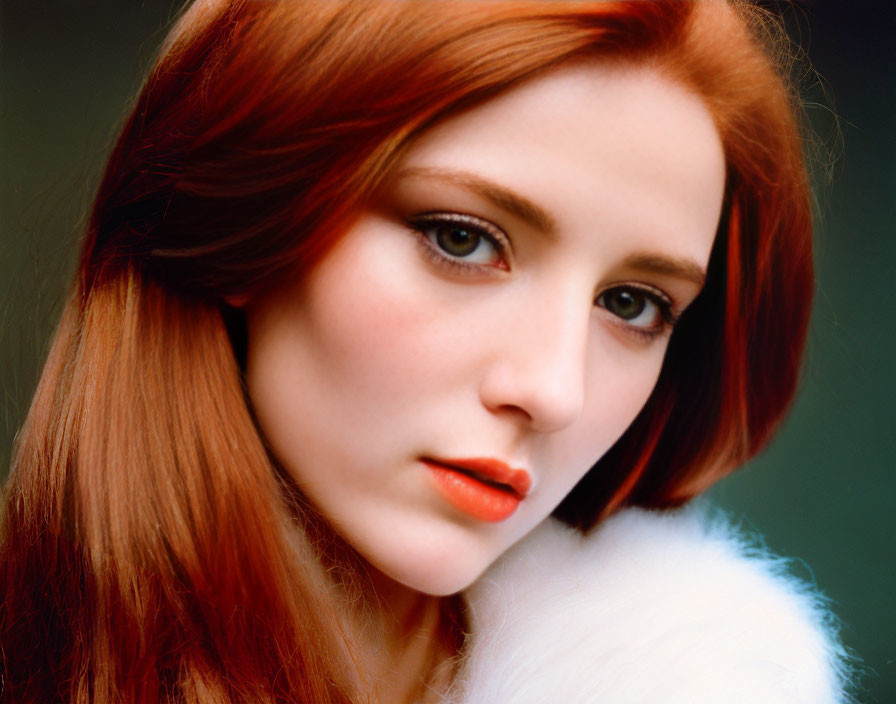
(471,496)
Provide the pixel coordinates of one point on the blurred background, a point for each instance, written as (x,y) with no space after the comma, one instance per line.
(824,493)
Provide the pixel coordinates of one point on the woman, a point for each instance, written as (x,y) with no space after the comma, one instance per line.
(370,290)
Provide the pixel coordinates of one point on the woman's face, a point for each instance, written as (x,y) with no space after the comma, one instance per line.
(479,338)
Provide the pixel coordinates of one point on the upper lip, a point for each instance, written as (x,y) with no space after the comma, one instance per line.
(491,469)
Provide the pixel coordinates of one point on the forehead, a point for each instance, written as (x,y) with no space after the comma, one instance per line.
(594,144)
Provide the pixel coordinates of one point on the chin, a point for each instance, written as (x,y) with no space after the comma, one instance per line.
(430,568)
(444,583)
(437,579)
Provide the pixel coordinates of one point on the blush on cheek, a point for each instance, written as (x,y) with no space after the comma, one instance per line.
(378,301)
(393,321)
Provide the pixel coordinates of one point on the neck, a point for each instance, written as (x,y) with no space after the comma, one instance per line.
(409,641)
(403,644)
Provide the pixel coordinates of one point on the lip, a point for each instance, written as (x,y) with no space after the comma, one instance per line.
(481,487)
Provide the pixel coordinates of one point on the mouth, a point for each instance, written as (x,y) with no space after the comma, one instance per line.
(483,488)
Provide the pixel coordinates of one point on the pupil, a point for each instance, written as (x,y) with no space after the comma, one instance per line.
(457,241)
(626,305)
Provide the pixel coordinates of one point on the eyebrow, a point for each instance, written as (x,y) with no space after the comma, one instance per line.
(538,218)
(668,266)
(504,198)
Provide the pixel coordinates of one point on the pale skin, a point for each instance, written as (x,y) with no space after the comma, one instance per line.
(510,296)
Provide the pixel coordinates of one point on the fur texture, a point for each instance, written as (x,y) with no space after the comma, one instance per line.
(651,607)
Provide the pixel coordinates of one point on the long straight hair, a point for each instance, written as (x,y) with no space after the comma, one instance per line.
(151,550)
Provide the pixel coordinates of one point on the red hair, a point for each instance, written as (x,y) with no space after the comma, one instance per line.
(150,549)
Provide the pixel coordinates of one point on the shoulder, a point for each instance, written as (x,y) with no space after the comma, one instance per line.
(667,607)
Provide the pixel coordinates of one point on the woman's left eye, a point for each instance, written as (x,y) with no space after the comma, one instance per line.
(644,309)
(463,239)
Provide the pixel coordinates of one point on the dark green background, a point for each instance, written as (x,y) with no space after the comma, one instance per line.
(824,492)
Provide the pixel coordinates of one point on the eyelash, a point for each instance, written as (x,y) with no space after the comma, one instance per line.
(664,305)
(425,222)
(485,230)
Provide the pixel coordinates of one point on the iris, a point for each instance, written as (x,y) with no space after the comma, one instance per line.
(625,303)
(456,240)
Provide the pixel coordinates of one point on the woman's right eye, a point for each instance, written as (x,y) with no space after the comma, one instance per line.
(463,240)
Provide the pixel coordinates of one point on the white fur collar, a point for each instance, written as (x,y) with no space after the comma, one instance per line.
(650,608)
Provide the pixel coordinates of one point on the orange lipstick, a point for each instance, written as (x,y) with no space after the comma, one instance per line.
(483,488)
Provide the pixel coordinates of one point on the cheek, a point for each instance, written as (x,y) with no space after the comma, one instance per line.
(618,384)
(355,309)
(366,341)
(362,318)
(384,325)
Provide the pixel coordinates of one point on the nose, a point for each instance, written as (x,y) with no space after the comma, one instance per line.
(538,370)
